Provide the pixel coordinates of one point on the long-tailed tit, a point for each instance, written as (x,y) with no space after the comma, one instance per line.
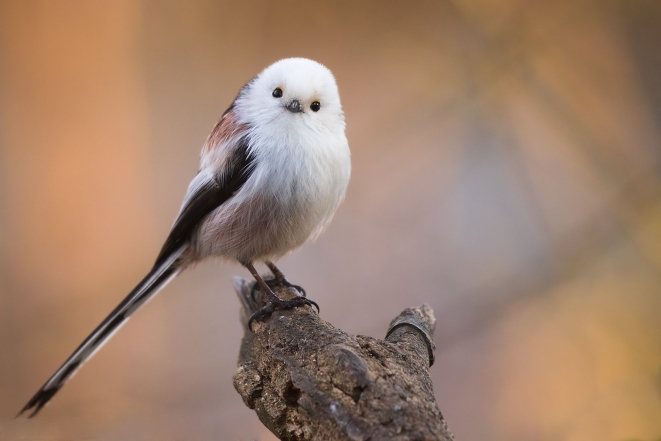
(272,173)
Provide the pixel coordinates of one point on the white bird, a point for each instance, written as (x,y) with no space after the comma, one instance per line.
(272,173)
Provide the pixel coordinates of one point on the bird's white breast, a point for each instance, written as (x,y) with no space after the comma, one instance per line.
(299,179)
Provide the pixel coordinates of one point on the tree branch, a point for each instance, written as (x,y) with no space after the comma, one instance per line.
(308,380)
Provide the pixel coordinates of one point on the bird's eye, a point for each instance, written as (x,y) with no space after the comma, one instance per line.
(277,92)
(315,106)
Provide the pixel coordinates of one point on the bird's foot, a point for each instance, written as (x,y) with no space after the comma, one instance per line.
(286,283)
(281,280)
(277,282)
(277,303)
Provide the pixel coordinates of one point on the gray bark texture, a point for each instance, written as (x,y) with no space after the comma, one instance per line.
(308,380)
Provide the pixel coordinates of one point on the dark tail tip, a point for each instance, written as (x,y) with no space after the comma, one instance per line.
(37,402)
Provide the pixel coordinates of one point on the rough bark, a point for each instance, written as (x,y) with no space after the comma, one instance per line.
(308,380)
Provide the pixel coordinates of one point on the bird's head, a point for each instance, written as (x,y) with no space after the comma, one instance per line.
(293,93)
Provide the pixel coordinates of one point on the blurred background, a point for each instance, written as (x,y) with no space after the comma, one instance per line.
(506,170)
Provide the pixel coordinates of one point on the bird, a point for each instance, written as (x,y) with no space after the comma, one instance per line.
(272,173)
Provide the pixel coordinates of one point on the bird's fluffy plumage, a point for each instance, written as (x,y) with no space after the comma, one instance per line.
(272,173)
(301,165)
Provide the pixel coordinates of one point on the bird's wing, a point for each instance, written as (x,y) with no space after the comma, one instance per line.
(206,192)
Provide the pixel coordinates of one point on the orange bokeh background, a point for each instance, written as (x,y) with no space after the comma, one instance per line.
(506,170)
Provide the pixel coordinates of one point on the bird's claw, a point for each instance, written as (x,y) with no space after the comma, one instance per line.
(275,305)
(276,283)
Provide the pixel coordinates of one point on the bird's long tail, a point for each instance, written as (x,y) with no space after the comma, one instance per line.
(164,271)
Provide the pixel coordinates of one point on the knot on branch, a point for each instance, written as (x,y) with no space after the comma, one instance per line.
(308,380)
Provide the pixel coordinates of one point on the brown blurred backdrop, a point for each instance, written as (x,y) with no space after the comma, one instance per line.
(506,170)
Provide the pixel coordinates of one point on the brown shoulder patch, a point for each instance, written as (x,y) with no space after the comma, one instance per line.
(223,131)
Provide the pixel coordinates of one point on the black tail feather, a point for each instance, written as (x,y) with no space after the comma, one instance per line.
(155,279)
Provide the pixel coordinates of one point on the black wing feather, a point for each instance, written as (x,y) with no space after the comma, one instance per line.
(209,197)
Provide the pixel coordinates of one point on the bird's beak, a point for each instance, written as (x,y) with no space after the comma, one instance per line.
(294,106)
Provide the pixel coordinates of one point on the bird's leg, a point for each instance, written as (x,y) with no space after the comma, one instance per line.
(280,278)
(274,302)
